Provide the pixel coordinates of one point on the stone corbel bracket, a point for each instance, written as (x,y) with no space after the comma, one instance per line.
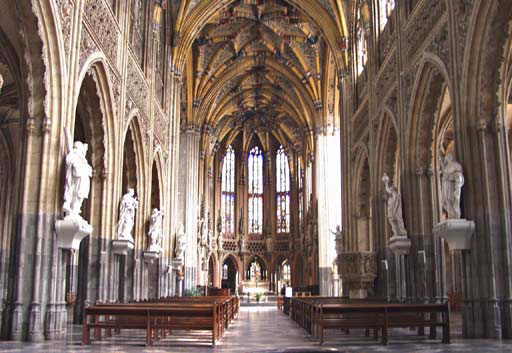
(456,232)
(70,232)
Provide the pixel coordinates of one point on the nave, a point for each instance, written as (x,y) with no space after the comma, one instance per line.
(263,329)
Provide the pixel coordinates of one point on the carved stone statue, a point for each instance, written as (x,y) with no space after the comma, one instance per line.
(78,174)
(219,225)
(394,202)
(181,243)
(451,186)
(338,238)
(155,231)
(127,215)
(241,223)
(269,243)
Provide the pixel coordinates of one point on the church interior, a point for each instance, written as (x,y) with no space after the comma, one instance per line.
(193,173)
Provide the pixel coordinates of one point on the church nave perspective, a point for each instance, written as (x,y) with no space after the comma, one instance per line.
(256,175)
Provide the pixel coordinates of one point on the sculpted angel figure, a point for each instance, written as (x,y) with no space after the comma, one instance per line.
(127,215)
(452,181)
(78,176)
(155,230)
(394,202)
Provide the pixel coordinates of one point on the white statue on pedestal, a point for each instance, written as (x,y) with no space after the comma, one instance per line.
(127,216)
(338,239)
(394,202)
(78,174)
(451,186)
(181,243)
(155,231)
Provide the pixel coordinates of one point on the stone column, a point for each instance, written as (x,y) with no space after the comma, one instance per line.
(328,186)
(188,199)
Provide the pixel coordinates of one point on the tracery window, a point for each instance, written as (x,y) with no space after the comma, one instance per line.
(160,25)
(283,191)
(362,44)
(255,208)
(137,26)
(225,271)
(228,191)
(385,9)
(300,190)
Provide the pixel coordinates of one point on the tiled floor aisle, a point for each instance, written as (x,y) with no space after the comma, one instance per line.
(261,329)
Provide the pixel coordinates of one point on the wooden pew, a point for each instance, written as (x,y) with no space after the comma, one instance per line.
(381,317)
(154,317)
(308,311)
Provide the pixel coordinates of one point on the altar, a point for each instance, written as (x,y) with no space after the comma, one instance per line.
(252,287)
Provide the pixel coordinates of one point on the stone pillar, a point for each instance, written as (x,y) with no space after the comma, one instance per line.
(328,187)
(188,200)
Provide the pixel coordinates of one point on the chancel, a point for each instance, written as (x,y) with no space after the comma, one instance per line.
(255,175)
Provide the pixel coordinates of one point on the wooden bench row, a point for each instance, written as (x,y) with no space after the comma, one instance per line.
(160,318)
(315,314)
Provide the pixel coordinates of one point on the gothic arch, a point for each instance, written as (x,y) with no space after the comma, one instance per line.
(258,257)
(97,66)
(159,163)
(216,268)
(136,171)
(427,93)
(361,240)
(388,161)
(235,260)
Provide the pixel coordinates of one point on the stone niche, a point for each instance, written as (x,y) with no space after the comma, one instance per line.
(358,271)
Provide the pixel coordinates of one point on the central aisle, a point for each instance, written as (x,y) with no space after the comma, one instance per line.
(263,328)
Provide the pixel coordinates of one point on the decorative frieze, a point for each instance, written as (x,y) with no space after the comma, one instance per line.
(87,47)
(462,16)
(137,87)
(440,45)
(101,21)
(420,25)
(66,11)
(408,79)
(387,77)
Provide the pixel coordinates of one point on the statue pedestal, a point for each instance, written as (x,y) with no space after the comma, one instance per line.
(150,255)
(177,266)
(456,232)
(70,232)
(122,246)
(336,285)
(358,271)
(399,245)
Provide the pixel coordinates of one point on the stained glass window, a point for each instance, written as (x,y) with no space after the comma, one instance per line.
(225,271)
(362,45)
(228,192)
(255,166)
(283,191)
(160,25)
(301,193)
(385,9)
(137,26)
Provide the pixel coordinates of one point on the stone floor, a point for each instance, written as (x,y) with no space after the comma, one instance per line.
(264,329)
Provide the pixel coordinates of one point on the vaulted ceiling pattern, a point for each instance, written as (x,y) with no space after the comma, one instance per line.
(261,66)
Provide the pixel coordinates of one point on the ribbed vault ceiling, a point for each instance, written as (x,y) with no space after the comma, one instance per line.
(260,66)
